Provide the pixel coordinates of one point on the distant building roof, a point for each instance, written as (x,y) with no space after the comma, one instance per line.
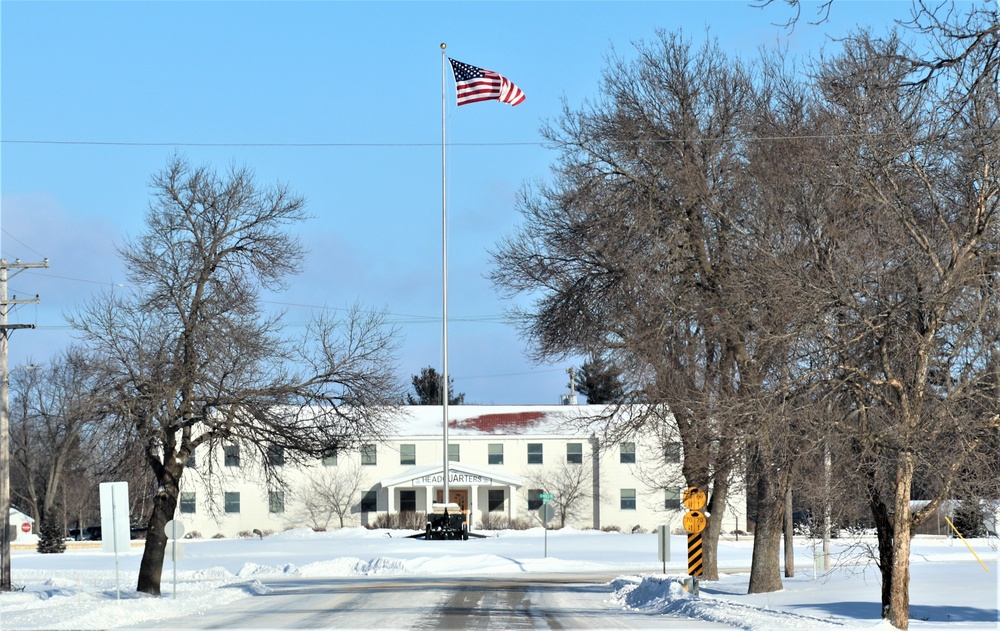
(21,517)
(487,420)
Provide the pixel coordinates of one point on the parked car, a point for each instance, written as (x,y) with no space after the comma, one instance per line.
(86,534)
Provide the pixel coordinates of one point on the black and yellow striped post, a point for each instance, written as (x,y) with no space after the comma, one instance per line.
(694,554)
(694,522)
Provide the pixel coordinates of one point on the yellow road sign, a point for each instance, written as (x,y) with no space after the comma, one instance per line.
(695,522)
(694,498)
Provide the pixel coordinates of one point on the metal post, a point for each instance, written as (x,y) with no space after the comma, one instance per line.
(444,286)
(114,539)
(173,557)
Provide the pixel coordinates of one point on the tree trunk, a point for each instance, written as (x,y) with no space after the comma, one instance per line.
(884,533)
(898,611)
(765,567)
(789,535)
(716,509)
(151,566)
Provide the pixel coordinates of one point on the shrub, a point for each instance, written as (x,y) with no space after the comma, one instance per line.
(408,520)
(610,528)
(500,521)
(194,534)
(218,535)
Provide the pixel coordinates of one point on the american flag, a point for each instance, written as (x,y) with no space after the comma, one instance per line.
(478,84)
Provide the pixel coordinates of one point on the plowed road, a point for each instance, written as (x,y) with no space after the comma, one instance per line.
(529,601)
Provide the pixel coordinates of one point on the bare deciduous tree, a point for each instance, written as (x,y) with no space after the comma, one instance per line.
(55,430)
(195,362)
(330,492)
(629,251)
(571,486)
(906,274)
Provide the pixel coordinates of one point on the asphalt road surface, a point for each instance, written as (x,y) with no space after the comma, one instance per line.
(535,601)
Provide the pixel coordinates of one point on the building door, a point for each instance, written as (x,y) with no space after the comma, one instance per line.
(457,496)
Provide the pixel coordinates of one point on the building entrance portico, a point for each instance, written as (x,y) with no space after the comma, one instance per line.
(469,487)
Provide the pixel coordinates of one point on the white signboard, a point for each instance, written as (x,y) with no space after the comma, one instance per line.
(454,477)
(174,529)
(114,517)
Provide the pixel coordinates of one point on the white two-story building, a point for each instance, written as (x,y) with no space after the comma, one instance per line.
(504,462)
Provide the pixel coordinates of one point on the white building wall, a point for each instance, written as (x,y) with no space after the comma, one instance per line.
(646,478)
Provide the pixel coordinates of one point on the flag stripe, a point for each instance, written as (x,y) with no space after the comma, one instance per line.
(473,85)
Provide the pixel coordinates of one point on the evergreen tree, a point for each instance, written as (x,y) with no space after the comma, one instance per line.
(600,381)
(51,539)
(427,386)
(968,519)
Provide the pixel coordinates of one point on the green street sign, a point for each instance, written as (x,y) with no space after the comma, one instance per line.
(545,497)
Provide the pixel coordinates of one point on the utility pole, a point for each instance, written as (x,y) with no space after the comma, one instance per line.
(572,385)
(5,330)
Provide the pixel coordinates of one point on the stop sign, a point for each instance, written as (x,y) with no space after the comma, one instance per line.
(25,527)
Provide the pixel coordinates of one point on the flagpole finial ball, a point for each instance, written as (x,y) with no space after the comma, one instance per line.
(443,45)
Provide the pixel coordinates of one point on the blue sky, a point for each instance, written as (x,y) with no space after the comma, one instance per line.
(97,96)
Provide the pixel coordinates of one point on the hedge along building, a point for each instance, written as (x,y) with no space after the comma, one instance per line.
(502,461)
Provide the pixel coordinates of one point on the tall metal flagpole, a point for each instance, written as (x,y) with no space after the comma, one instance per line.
(444,287)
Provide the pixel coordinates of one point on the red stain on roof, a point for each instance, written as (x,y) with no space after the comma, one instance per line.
(510,423)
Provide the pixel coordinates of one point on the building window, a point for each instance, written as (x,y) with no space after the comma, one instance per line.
(330,459)
(232,502)
(672,499)
(276,502)
(534,453)
(275,455)
(369,502)
(628,499)
(192,462)
(453,453)
(627,453)
(187,504)
(494,500)
(408,501)
(408,454)
(574,453)
(232,457)
(495,453)
(368,455)
(672,452)
(535,498)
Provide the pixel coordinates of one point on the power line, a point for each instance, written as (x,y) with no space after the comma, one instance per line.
(512,374)
(108,143)
(78,280)
(536,143)
(22,243)
(398,318)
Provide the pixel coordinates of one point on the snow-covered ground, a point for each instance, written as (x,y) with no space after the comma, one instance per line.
(91,589)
